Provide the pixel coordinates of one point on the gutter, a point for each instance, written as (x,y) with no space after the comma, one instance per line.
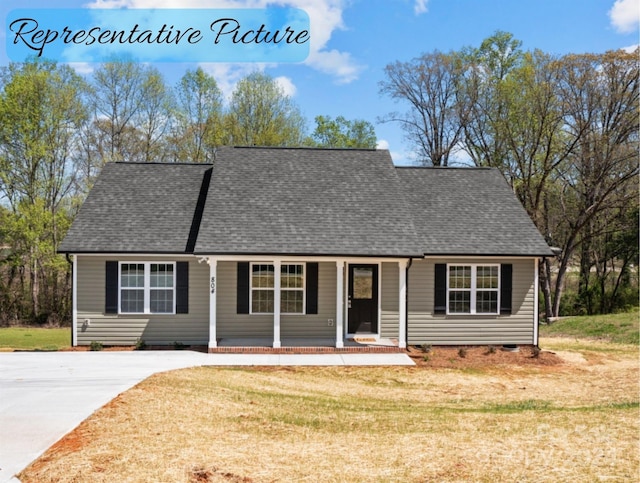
(73,328)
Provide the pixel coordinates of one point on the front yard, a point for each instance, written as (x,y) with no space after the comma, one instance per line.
(568,416)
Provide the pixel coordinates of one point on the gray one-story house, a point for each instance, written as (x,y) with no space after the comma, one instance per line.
(299,244)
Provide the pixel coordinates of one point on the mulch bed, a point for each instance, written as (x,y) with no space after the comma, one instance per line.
(457,357)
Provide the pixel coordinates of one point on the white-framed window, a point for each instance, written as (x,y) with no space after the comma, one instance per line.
(473,289)
(147,288)
(262,288)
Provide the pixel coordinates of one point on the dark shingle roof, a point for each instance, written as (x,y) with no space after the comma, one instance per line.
(272,201)
(306,201)
(139,208)
(460,211)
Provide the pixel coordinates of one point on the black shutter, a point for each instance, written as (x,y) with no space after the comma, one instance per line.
(312,288)
(506,284)
(242,300)
(440,289)
(111,288)
(182,287)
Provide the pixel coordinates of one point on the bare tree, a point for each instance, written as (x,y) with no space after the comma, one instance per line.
(430,85)
(600,93)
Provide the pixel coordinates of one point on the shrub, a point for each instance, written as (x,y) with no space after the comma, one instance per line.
(141,345)
(462,352)
(179,346)
(96,345)
(491,349)
(426,348)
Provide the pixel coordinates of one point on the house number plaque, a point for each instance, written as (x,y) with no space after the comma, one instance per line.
(213,284)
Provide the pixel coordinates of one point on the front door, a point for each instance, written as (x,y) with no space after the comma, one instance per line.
(363,299)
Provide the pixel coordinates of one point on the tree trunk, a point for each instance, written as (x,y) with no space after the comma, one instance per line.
(545,278)
(35,286)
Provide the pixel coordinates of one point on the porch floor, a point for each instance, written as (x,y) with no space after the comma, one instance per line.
(304,345)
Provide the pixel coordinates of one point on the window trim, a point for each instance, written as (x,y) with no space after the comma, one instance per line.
(302,289)
(474,289)
(147,287)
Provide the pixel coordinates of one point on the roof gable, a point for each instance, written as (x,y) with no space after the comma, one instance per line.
(140,208)
(469,211)
(306,201)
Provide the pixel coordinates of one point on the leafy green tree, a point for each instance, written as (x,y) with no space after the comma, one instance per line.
(131,112)
(261,114)
(41,115)
(199,114)
(342,133)
(154,118)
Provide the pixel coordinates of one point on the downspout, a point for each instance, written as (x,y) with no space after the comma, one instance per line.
(406,303)
(70,262)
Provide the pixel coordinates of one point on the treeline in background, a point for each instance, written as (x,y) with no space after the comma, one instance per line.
(563,130)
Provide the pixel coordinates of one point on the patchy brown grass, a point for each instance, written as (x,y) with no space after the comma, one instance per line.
(571,415)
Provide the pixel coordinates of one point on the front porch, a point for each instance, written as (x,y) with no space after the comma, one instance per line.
(306,304)
(304,346)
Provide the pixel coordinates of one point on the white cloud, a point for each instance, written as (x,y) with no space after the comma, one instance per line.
(420,6)
(335,63)
(286,85)
(82,68)
(630,49)
(625,15)
(382,144)
(325,17)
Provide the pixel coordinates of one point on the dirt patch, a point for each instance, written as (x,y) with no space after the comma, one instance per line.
(466,357)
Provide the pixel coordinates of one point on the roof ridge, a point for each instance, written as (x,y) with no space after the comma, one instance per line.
(307,148)
(443,168)
(162,164)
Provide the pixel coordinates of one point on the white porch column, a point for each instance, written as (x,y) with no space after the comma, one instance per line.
(339,303)
(74,301)
(213,270)
(276,305)
(402,305)
(536,287)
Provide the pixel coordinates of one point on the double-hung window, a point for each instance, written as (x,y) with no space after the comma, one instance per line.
(263,288)
(147,288)
(473,289)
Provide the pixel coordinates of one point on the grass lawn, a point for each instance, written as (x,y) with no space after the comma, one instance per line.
(34,338)
(574,420)
(623,328)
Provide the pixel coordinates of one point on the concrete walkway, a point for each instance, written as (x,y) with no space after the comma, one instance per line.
(45,395)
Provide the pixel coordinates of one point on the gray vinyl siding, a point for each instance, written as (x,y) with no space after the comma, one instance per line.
(427,328)
(233,325)
(191,328)
(389,306)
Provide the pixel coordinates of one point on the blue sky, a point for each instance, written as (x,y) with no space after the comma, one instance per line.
(353,40)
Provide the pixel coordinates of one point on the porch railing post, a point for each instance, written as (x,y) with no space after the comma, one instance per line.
(402,312)
(276,305)
(213,269)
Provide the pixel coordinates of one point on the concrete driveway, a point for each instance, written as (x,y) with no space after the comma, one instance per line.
(44,395)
